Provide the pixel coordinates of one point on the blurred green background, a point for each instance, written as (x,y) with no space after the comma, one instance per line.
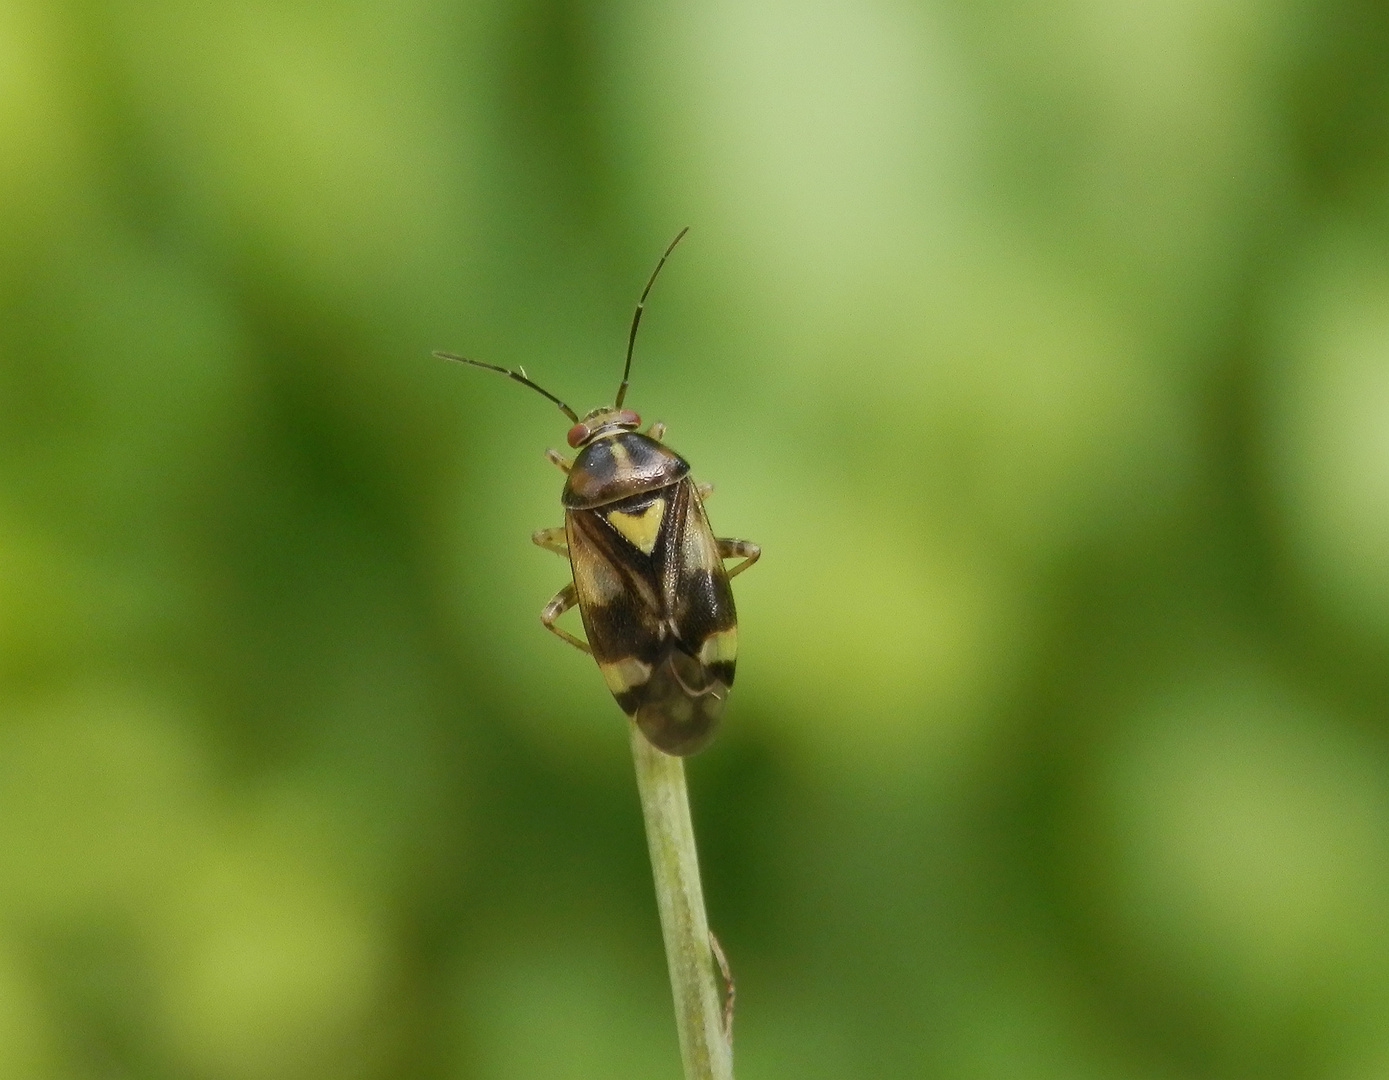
(1044,347)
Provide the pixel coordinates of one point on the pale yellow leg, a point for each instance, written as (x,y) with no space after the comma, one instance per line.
(551,540)
(555,458)
(561,602)
(739,549)
(705,490)
(657,431)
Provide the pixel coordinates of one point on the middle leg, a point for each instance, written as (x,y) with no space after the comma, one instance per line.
(738,549)
(561,602)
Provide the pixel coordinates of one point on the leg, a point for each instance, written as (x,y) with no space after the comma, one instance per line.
(705,490)
(555,458)
(739,549)
(551,540)
(657,431)
(561,602)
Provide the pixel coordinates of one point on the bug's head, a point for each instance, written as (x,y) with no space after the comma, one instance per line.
(601,421)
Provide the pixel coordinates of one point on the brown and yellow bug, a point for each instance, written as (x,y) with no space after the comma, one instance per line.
(648,572)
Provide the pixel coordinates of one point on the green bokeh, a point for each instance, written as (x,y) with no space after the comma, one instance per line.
(1043,347)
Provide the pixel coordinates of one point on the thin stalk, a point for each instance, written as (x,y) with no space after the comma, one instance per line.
(704,1045)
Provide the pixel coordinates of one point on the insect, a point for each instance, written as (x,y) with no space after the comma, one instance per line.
(648,572)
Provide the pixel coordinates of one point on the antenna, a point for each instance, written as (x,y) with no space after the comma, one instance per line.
(519,375)
(636,317)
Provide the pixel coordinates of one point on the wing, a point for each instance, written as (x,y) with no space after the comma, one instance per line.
(686,692)
(658,611)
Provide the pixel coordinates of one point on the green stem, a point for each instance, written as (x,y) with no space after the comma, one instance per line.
(704,1045)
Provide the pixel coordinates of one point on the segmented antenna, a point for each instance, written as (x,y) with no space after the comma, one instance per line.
(520,376)
(636,316)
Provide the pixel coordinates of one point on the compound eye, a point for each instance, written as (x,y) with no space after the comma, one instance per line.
(578,435)
(627,416)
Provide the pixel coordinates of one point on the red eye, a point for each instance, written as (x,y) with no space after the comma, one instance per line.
(578,434)
(627,416)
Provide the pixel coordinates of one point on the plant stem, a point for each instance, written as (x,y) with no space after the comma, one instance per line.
(704,1045)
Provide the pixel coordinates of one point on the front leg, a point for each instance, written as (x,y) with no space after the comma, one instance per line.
(558,460)
(561,602)
(551,540)
(657,431)
(738,549)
